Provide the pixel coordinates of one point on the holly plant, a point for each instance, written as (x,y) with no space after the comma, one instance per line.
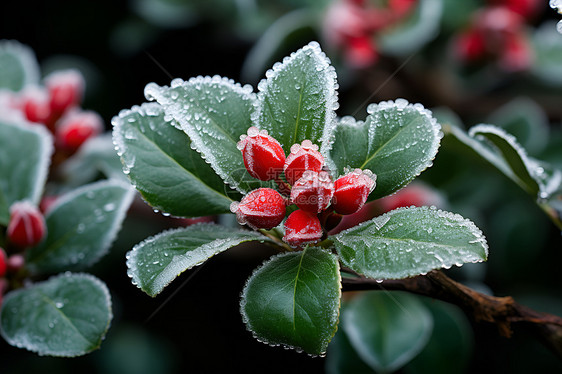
(51,231)
(289,168)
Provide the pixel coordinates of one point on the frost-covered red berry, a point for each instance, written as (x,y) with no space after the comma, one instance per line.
(313,191)
(65,89)
(263,208)
(303,157)
(34,103)
(3,263)
(263,155)
(302,227)
(27,225)
(352,190)
(470,46)
(76,127)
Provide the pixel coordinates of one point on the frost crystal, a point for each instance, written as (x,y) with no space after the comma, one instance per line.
(322,82)
(214,112)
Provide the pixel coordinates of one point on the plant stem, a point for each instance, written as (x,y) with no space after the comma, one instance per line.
(501,311)
(274,235)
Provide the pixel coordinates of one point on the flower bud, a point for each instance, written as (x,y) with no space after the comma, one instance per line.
(303,157)
(76,127)
(3,263)
(352,191)
(65,88)
(313,191)
(302,227)
(263,155)
(27,225)
(263,208)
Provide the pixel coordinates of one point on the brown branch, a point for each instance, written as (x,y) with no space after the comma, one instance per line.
(501,311)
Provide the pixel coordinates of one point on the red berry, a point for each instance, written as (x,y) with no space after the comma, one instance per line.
(303,157)
(263,155)
(352,191)
(313,191)
(361,51)
(401,8)
(27,225)
(76,127)
(302,227)
(470,46)
(263,208)
(66,88)
(3,263)
(35,106)
(517,54)
(498,19)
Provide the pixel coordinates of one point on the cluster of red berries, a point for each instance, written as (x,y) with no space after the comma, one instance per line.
(56,106)
(351,25)
(302,182)
(498,34)
(26,228)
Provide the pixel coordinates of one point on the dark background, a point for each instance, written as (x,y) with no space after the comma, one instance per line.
(199,328)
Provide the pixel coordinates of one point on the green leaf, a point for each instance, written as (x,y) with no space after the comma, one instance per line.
(387,329)
(96,156)
(19,66)
(450,346)
(166,14)
(170,175)
(213,112)
(342,358)
(81,227)
(67,315)
(25,156)
(298,99)
(157,261)
(506,147)
(396,142)
(293,299)
(547,46)
(410,241)
(525,120)
(417,30)
(457,13)
(274,40)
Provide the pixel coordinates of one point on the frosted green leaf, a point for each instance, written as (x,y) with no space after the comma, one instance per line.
(293,300)
(25,156)
(298,98)
(387,329)
(81,226)
(213,112)
(547,46)
(170,175)
(525,120)
(397,142)
(18,64)
(264,51)
(67,315)
(157,261)
(410,241)
(523,170)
